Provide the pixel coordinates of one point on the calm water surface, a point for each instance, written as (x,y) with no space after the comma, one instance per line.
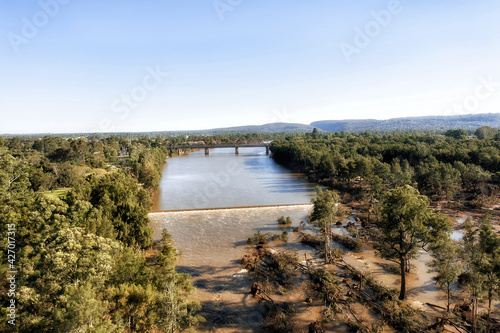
(223,179)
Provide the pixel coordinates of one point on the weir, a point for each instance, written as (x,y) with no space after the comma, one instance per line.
(232,208)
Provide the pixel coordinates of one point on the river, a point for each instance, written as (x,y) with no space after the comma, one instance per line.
(223,179)
(211,205)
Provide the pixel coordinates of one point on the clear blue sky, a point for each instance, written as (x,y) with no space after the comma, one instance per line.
(241,62)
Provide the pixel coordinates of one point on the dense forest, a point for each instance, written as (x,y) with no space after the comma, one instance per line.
(73,214)
(78,249)
(427,123)
(79,254)
(440,166)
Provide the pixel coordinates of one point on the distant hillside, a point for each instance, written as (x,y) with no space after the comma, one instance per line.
(429,123)
(266,128)
(467,122)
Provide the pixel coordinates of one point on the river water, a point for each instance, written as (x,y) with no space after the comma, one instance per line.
(223,179)
(211,205)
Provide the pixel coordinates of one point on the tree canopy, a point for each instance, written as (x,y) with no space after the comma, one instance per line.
(80,250)
(407,223)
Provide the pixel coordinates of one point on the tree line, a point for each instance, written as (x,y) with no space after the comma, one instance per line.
(440,166)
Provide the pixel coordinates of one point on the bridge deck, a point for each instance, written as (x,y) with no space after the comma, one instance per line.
(198,146)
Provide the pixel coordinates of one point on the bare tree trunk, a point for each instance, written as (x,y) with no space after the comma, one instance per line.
(448,304)
(474,314)
(328,241)
(402,293)
(490,296)
(370,213)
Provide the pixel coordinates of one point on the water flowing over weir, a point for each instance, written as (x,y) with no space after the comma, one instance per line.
(211,243)
(195,188)
(209,237)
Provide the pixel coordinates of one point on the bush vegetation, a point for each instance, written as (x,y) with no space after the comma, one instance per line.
(80,250)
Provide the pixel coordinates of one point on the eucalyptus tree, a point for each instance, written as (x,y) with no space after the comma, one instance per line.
(489,264)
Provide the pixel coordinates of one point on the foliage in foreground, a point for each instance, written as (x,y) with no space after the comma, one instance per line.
(80,257)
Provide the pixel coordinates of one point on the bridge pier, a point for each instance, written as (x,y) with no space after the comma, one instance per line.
(267,150)
(207,151)
(236,151)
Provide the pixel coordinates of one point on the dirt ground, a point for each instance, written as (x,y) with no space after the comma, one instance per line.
(228,306)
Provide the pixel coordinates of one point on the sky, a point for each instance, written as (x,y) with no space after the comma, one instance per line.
(70,66)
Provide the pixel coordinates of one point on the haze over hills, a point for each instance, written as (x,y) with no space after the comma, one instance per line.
(427,123)
(266,128)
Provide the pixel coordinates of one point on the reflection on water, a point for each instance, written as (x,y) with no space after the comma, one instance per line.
(223,179)
(463,219)
(456,235)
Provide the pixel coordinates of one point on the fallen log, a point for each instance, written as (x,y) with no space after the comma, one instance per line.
(435,306)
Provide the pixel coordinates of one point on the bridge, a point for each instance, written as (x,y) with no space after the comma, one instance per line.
(207,147)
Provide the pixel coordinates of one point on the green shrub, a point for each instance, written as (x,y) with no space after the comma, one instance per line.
(258,238)
(284,221)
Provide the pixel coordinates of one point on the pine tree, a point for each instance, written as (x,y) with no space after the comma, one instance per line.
(407,223)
